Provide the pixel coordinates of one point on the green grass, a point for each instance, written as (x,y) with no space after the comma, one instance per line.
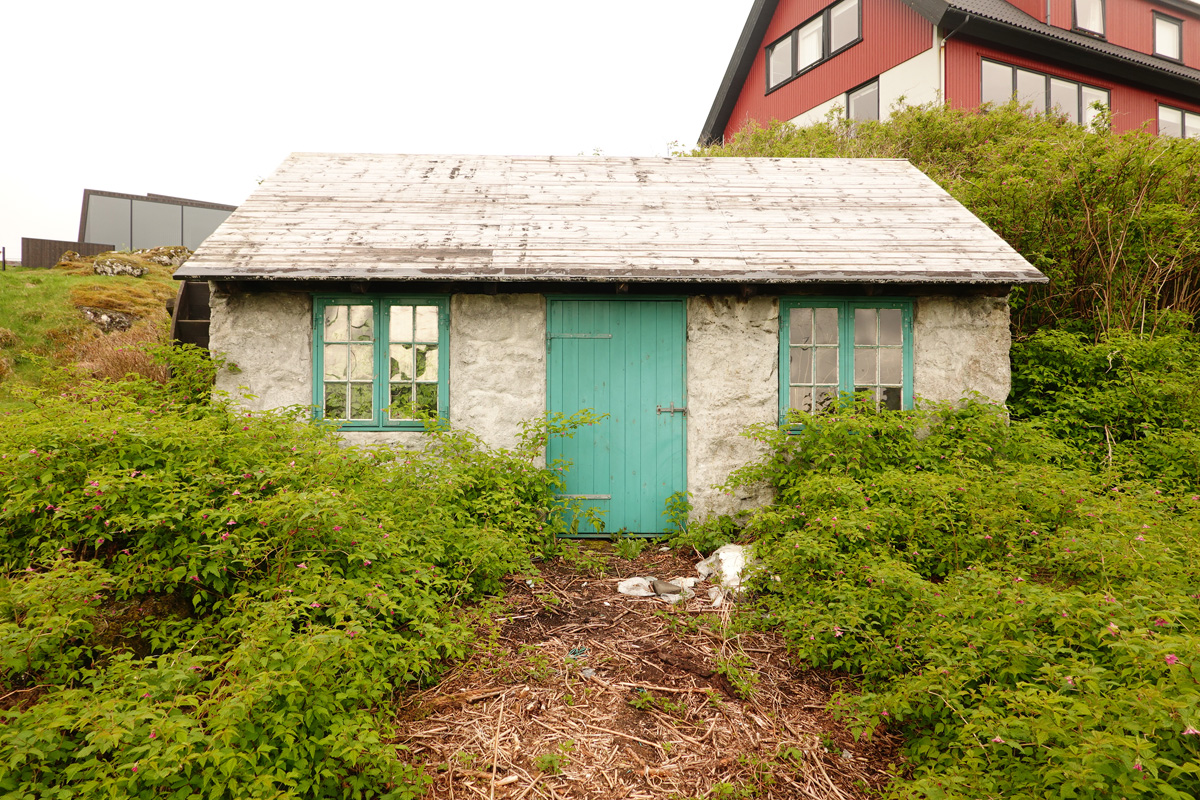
(40,320)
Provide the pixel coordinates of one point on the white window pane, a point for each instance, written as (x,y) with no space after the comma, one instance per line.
(843,24)
(1168,38)
(362,362)
(826,328)
(401,358)
(1191,128)
(892,398)
(1170,122)
(1064,98)
(997,83)
(427,324)
(1031,88)
(800,326)
(810,47)
(800,366)
(825,395)
(864,326)
(335,359)
(362,323)
(864,366)
(891,322)
(800,398)
(337,327)
(400,324)
(779,62)
(1089,15)
(427,362)
(863,103)
(891,363)
(1091,97)
(826,368)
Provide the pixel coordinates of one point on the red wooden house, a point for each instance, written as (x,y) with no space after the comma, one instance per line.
(797,60)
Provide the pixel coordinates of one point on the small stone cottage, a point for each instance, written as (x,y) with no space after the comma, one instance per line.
(685,298)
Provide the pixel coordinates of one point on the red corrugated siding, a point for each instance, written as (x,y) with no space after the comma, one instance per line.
(892,34)
(1132,108)
(1130,23)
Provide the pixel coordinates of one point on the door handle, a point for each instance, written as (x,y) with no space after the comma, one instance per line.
(671,409)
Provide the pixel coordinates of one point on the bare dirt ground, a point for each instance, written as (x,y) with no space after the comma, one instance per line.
(580,692)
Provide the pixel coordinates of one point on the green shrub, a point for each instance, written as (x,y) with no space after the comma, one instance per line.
(1026,624)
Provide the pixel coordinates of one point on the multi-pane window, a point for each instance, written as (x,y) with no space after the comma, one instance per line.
(863,103)
(832,348)
(1178,123)
(1168,37)
(1089,16)
(380,361)
(818,39)
(1076,101)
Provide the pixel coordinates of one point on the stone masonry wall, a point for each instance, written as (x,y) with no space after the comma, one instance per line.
(960,346)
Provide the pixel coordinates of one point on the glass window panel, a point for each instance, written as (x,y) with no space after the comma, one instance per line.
(891,326)
(401,399)
(362,323)
(864,365)
(401,358)
(863,104)
(362,362)
(1064,98)
(891,366)
(362,405)
(800,399)
(892,398)
(800,326)
(997,83)
(1170,122)
(335,362)
(335,401)
(826,365)
(427,362)
(810,44)
(1191,126)
(427,324)
(826,328)
(801,365)
(843,24)
(336,324)
(779,62)
(400,324)
(1168,37)
(825,396)
(1091,96)
(864,326)
(1089,15)
(1031,88)
(427,397)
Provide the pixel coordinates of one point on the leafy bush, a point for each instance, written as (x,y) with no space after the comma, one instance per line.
(1025,623)
(198,600)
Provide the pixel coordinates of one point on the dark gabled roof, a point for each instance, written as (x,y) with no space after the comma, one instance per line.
(993,21)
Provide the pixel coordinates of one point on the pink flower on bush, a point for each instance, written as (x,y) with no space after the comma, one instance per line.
(837,631)
(997,740)
(302,565)
(1190,731)
(314,605)
(1158,623)
(1171,659)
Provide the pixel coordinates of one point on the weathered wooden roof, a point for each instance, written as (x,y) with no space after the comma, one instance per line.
(511,218)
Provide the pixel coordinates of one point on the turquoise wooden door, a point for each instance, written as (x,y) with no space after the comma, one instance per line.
(624,358)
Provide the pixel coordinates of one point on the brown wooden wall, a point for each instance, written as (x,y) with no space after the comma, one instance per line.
(44,253)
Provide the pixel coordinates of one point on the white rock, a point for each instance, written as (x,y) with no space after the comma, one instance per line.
(636,587)
(727,567)
(717,595)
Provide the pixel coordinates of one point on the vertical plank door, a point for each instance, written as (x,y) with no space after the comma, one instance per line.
(623,358)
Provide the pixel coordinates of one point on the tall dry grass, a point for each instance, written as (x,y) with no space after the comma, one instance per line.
(120,353)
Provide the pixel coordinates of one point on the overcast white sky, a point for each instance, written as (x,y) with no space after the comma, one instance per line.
(201,99)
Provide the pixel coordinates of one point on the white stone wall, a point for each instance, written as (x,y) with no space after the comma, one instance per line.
(960,346)
(732,382)
(498,367)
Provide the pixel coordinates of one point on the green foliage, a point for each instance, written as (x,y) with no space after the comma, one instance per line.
(1112,219)
(1130,402)
(628,547)
(551,763)
(203,601)
(1026,623)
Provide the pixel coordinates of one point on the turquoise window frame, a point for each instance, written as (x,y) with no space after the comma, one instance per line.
(381,315)
(845,307)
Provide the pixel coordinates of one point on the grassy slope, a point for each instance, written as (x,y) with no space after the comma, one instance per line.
(40,318)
